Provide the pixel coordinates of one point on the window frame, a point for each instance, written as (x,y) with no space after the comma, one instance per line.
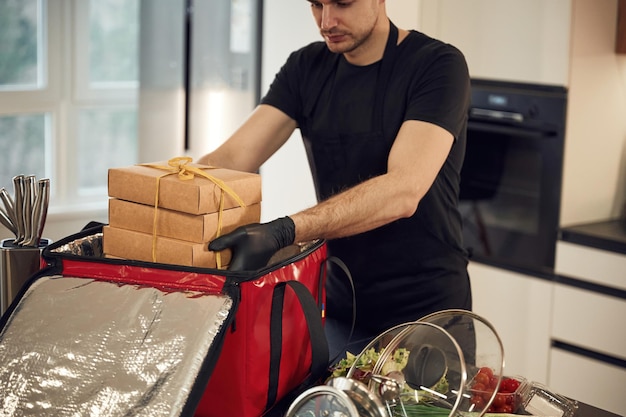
(64,92)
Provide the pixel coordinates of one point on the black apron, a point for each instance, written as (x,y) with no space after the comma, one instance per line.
(339,161)
(392,284)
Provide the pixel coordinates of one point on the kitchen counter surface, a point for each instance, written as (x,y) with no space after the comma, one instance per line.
(585,410)
(607,235)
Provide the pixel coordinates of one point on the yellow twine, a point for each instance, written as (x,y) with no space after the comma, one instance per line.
(178,165)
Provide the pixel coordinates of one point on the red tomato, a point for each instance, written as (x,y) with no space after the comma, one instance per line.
(493,381)
(478,401)
(487,394)
(478,386)
(509,385)
(499,400)
(481,378)
(486,370)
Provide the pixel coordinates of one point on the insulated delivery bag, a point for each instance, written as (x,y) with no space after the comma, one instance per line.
(96,336)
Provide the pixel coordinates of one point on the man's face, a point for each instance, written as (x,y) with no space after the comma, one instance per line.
(345,24)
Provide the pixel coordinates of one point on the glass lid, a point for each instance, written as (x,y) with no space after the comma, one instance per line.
(483,353)
(420,371)
(433,365)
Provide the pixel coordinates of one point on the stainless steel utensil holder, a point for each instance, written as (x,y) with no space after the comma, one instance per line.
(17,264)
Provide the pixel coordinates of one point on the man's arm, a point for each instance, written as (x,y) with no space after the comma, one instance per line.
(416,158)
(262,134)
(418,153)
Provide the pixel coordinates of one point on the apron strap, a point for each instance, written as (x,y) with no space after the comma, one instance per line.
(384,73)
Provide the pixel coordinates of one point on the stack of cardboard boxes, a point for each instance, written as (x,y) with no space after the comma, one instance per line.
(187,217)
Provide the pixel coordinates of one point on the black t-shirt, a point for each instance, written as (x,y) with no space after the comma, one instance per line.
(413,266)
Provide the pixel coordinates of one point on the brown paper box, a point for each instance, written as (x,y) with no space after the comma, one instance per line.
(128,244)
(199,195)
(178,225)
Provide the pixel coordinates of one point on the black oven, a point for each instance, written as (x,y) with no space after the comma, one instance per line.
(511,178)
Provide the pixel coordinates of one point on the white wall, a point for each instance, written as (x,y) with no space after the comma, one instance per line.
(594,174)
(287,185)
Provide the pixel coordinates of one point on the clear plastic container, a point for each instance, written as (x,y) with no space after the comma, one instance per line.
(541,401)
(508,398)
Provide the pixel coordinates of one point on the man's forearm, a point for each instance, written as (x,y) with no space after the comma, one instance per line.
(364,207)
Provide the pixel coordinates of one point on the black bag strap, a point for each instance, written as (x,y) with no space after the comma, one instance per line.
(319,345)
(348,276)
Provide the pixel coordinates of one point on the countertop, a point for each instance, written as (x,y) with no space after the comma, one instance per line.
(607,235)
(585,410)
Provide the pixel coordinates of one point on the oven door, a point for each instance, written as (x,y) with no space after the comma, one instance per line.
(510,194)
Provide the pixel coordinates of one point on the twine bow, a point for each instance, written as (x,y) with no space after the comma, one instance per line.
(178,166)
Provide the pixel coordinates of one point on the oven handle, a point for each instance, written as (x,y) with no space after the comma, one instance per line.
(497,114)
(510,130)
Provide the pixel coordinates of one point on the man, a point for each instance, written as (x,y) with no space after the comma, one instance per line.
(382,113)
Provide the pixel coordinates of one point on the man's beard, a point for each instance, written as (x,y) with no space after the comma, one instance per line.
(349,45)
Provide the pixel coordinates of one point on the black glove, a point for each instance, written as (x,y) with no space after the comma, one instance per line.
(254,244)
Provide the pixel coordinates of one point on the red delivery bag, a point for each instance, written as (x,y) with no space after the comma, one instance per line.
(90,334)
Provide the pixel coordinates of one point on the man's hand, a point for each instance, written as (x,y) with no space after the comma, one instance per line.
(254,244)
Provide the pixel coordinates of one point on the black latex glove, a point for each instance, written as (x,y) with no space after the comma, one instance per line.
(254,244)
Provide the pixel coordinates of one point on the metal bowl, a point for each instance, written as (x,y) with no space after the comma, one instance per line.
(340,397)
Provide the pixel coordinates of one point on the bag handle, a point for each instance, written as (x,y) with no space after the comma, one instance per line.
(348,276)
(319,345)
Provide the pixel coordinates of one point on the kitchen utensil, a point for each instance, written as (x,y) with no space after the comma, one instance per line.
(18,201)
(43,191)
(366,402)
(322,401)
(425,367)
(17,264)
(339,397)
(389,389)
(9,209)
(6,213)
(434,360)
(7,222)
(25,216)
(28,200)
(430,361)
(481,347)
(34,213)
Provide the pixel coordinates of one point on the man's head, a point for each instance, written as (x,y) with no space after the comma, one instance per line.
(356,28)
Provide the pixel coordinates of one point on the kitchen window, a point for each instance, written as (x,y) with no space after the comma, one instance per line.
(68,93)
(71,105)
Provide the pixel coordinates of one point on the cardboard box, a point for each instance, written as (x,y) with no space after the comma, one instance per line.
(199,195)
(128,244)
(199,228)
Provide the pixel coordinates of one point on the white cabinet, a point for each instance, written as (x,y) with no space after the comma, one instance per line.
(588,357)
(515,40)
(518,306)
(588,380)
(589,320)
(590,264)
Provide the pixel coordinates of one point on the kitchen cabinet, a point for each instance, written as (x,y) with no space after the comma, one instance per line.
(581,317)
(519,307)
(588,336)
(514,40)
(603,384)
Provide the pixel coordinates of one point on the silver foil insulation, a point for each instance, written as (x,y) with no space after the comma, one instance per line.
(79,347)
